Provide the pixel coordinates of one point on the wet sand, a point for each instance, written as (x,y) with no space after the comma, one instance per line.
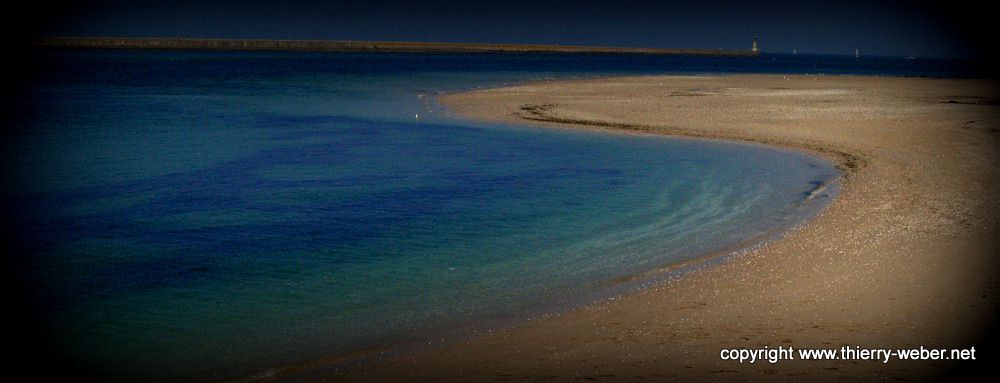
(905,256)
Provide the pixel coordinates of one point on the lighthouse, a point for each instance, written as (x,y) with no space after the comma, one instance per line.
(754,47)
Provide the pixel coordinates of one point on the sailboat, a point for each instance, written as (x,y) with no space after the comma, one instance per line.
(857,54)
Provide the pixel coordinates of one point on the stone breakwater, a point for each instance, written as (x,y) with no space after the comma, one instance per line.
(363,46)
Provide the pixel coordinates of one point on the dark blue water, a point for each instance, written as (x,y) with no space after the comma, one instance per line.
(192,215)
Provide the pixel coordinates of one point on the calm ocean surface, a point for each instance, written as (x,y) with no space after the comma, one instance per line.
(202,216)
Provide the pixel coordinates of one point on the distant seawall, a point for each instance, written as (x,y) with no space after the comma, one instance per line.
(360,46)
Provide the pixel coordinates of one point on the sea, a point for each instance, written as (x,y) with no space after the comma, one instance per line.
(205,216)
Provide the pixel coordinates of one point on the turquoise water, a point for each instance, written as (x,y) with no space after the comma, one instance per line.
(202,216)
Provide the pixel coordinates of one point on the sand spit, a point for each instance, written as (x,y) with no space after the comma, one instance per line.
(906,256)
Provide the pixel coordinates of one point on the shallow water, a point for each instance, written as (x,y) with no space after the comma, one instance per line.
(210,215)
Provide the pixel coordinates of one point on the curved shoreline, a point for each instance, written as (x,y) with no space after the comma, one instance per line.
(912,152)
(541,115)
(610,289)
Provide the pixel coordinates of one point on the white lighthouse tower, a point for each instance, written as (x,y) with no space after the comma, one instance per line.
(754,47)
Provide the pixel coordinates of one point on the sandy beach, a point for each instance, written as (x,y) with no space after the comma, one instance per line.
(904,257)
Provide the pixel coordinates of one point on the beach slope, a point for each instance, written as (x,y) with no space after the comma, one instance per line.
(904,257)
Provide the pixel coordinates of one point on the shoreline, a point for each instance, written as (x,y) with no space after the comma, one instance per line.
(535,115)
(610,289)
(895,229)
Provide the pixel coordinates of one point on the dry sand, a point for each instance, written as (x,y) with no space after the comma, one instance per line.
(905,256)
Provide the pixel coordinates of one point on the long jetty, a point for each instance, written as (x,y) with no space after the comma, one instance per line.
(360,46)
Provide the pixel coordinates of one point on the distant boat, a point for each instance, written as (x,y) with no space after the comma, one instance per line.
(909,58)
(795,51)
(857,54)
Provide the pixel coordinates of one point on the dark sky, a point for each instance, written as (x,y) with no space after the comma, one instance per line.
(874,27)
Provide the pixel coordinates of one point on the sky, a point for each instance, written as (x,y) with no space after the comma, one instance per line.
(873,27)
